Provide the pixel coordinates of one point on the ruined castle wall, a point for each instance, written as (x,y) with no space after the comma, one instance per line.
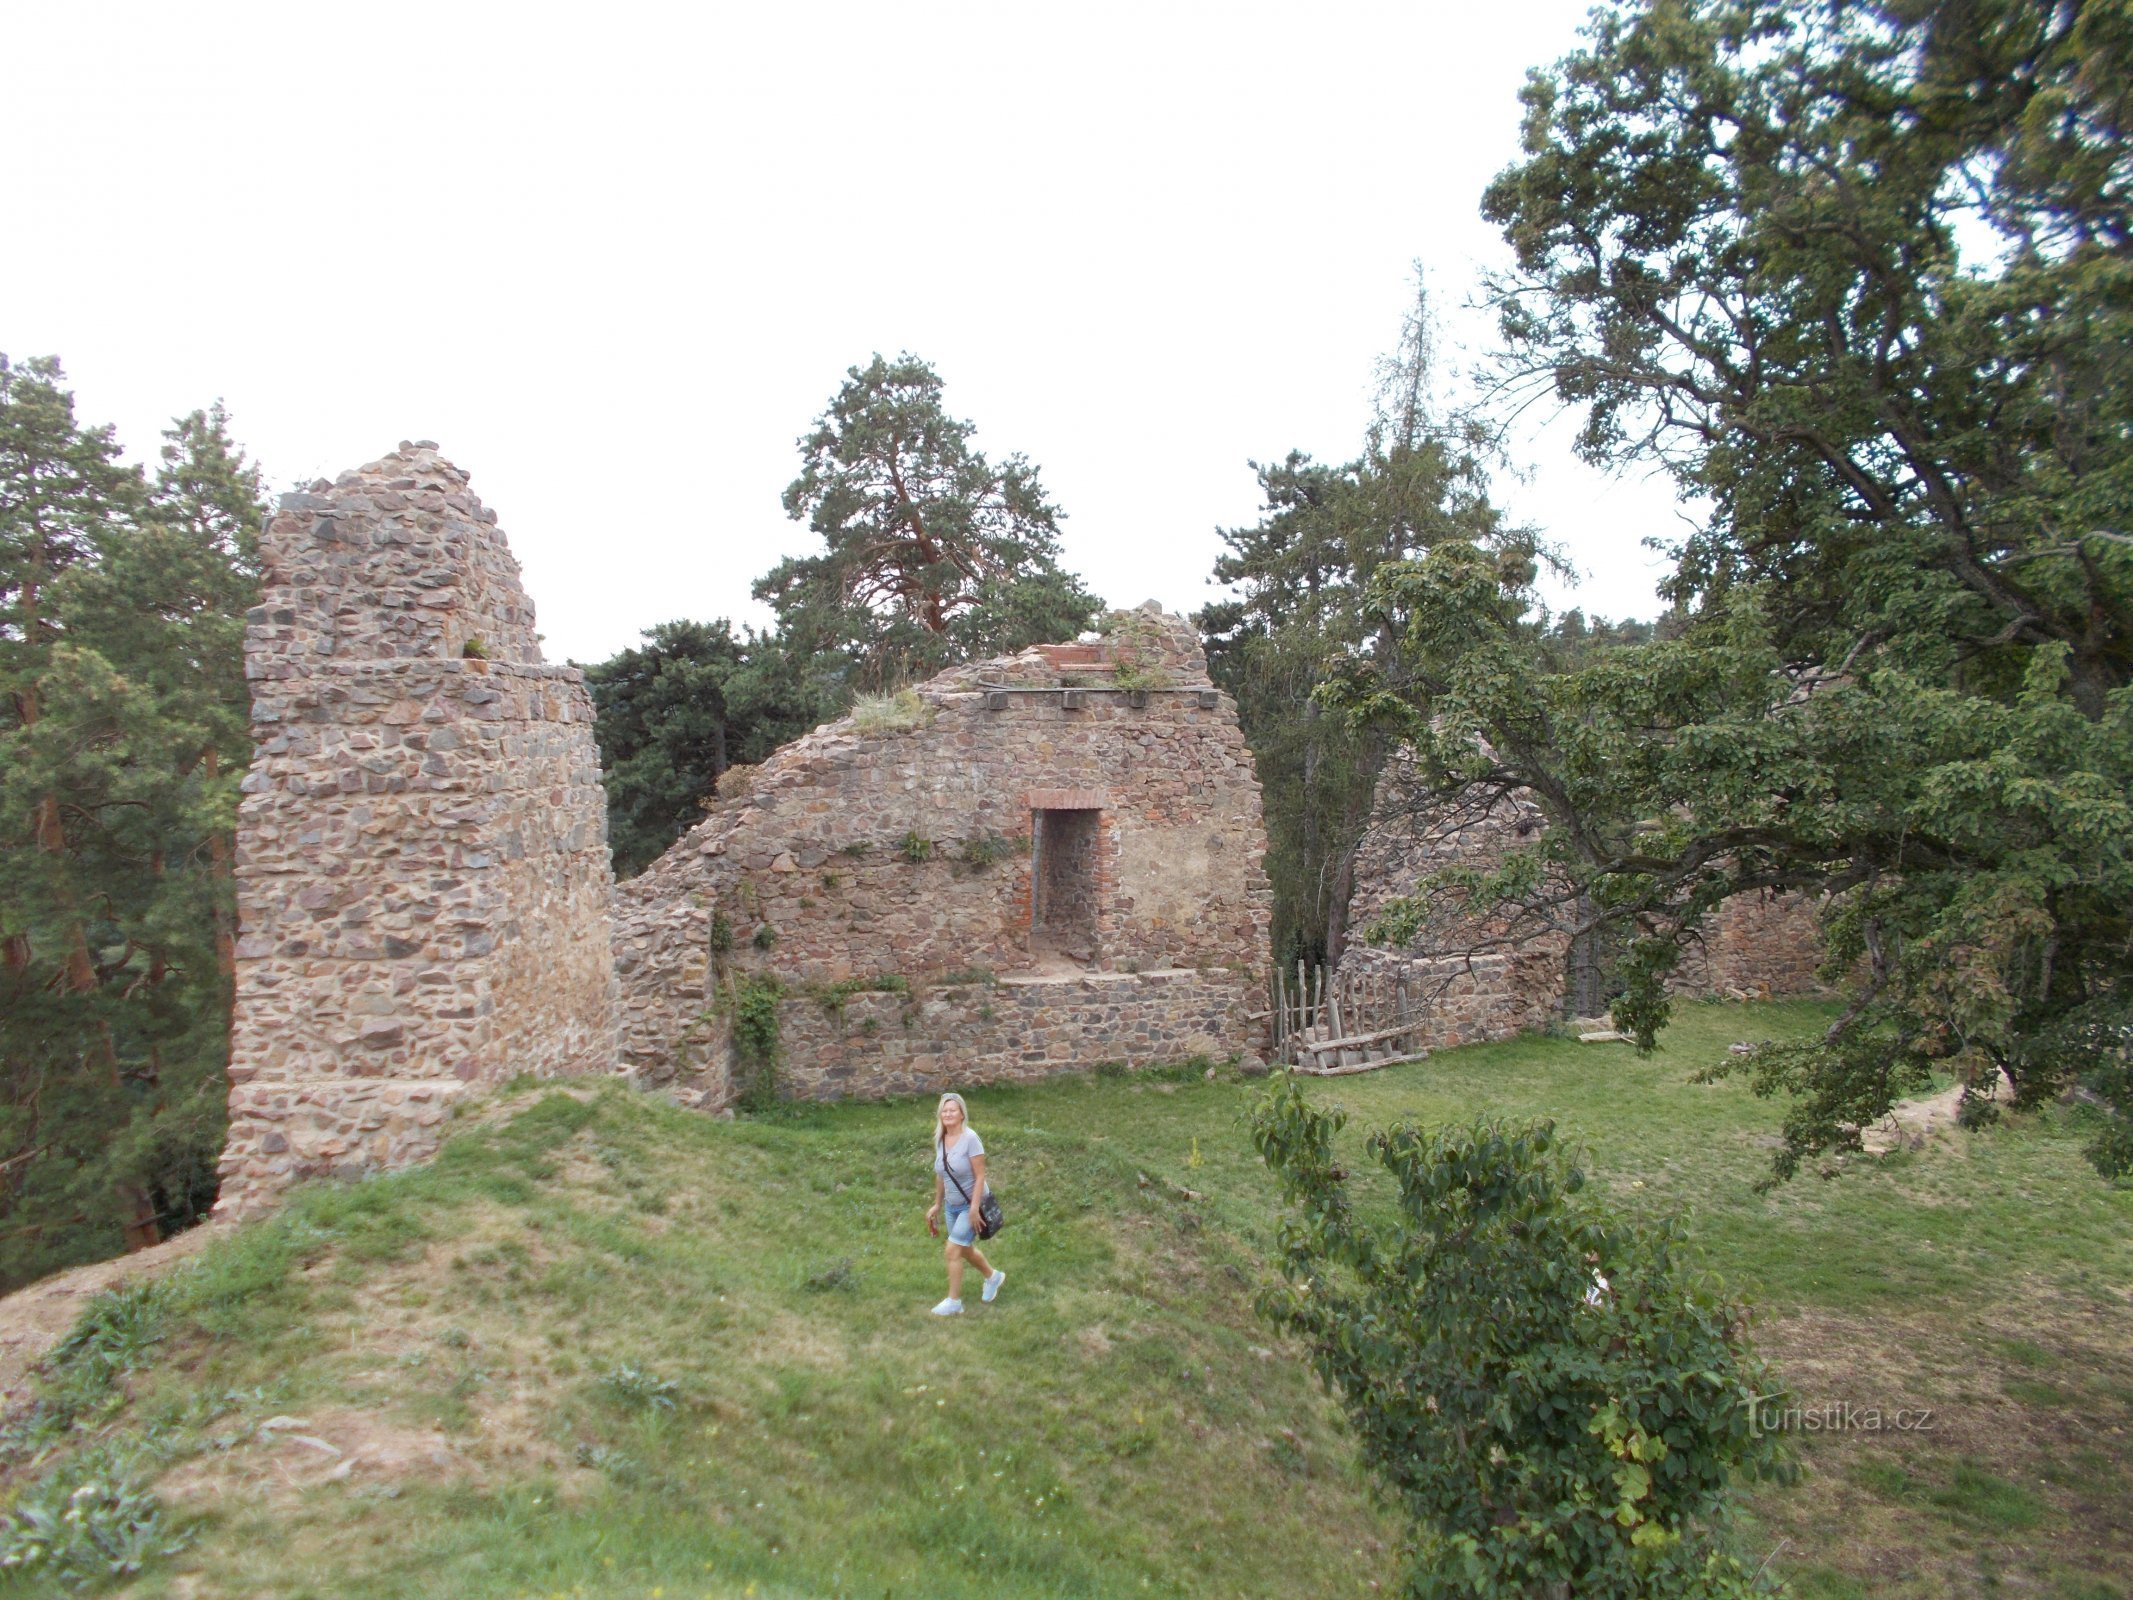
(1488,975)
(1013,1029)
(910,851)
(422,870)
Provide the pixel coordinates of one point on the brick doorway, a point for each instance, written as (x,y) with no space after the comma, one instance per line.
(1066,880)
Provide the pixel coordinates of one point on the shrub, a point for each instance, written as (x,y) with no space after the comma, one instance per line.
(475,649)
(915,847)
(1557,1401)
(94,1520)
(1136,651)
(755,1040)
(721,933)
(986,850)
(633,1389)
(766,937)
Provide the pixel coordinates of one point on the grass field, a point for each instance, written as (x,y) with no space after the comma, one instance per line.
(607,1348)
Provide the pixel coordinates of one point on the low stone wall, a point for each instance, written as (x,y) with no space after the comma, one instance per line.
(422,876)
(1015,1029)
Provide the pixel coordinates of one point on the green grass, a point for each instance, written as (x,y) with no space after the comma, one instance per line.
(604,1347)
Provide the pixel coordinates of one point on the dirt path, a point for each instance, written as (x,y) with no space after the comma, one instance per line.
(32,1320)
(1911,1123)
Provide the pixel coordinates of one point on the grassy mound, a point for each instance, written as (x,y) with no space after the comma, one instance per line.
(602,1347)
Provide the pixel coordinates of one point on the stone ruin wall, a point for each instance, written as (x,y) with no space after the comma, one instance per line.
(1754,946)
(816,876)
(422,868)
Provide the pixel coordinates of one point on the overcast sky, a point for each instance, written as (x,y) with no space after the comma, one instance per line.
(616,258)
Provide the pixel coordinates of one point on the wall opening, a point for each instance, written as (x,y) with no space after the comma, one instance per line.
(1064,880)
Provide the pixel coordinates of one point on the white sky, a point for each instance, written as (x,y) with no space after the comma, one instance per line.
(616,258)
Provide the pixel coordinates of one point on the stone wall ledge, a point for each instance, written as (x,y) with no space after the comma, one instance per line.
(298,668)
(1100,980)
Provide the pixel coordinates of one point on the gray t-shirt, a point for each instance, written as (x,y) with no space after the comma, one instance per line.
(953,1164)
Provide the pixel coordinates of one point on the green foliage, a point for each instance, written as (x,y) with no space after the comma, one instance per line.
(96,1520)
(1860,280)
(1302,605)
(755,1040)
(673,715)
(765,937)
(124,730)
(1136,650)
(721,933)
(832,996)
(915,847)
(931,555)
(631,1388)
(475,649)
(1557,1401)
(984,850)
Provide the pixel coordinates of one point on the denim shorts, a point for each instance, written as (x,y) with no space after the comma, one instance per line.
(960,1228)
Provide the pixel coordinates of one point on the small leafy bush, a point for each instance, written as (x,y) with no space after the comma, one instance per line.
(915,847)
(721,933)
(633,1389)
(95,1521)
(1558,1403)
(475,649)
(755,1040)
(986,850)
(766,937)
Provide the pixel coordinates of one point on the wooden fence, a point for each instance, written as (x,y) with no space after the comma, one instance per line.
(1346,1023)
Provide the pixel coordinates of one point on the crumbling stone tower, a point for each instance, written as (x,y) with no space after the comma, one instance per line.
(422,865)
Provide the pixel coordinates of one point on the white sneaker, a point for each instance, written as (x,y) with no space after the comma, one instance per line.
(992,1284)
(949,1308)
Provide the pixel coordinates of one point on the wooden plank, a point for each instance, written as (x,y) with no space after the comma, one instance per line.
(1368,1066)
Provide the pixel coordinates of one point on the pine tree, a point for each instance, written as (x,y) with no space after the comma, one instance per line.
(126,732)
(932,554)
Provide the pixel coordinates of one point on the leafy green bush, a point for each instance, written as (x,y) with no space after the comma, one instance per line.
(633,1389)
(915,847)
(755,1039)
(1559,1404)
(95,1520)
(989,849)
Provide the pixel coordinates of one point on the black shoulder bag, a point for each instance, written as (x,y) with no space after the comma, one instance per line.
(990,1218)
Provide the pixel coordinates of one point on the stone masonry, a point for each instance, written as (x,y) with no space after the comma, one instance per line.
(1487,977)
(1043,861)
(422,869)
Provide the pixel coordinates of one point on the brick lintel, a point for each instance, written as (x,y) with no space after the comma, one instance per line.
(1069,800)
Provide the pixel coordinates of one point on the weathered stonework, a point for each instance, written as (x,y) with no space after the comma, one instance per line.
(1487,976)
(1097,849)
(1013,1029)
(422,868)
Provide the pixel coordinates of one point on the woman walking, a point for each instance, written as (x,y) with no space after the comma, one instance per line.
(959,1182)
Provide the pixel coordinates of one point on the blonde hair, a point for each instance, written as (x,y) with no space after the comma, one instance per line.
(940,1136)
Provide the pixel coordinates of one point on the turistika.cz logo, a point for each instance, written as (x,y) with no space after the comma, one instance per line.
(1780,1413)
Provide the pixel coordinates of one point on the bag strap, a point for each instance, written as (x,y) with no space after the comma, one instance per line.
(950,1170)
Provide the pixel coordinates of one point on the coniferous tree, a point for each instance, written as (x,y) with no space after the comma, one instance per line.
(932,554)
(123,734)
(673,713)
